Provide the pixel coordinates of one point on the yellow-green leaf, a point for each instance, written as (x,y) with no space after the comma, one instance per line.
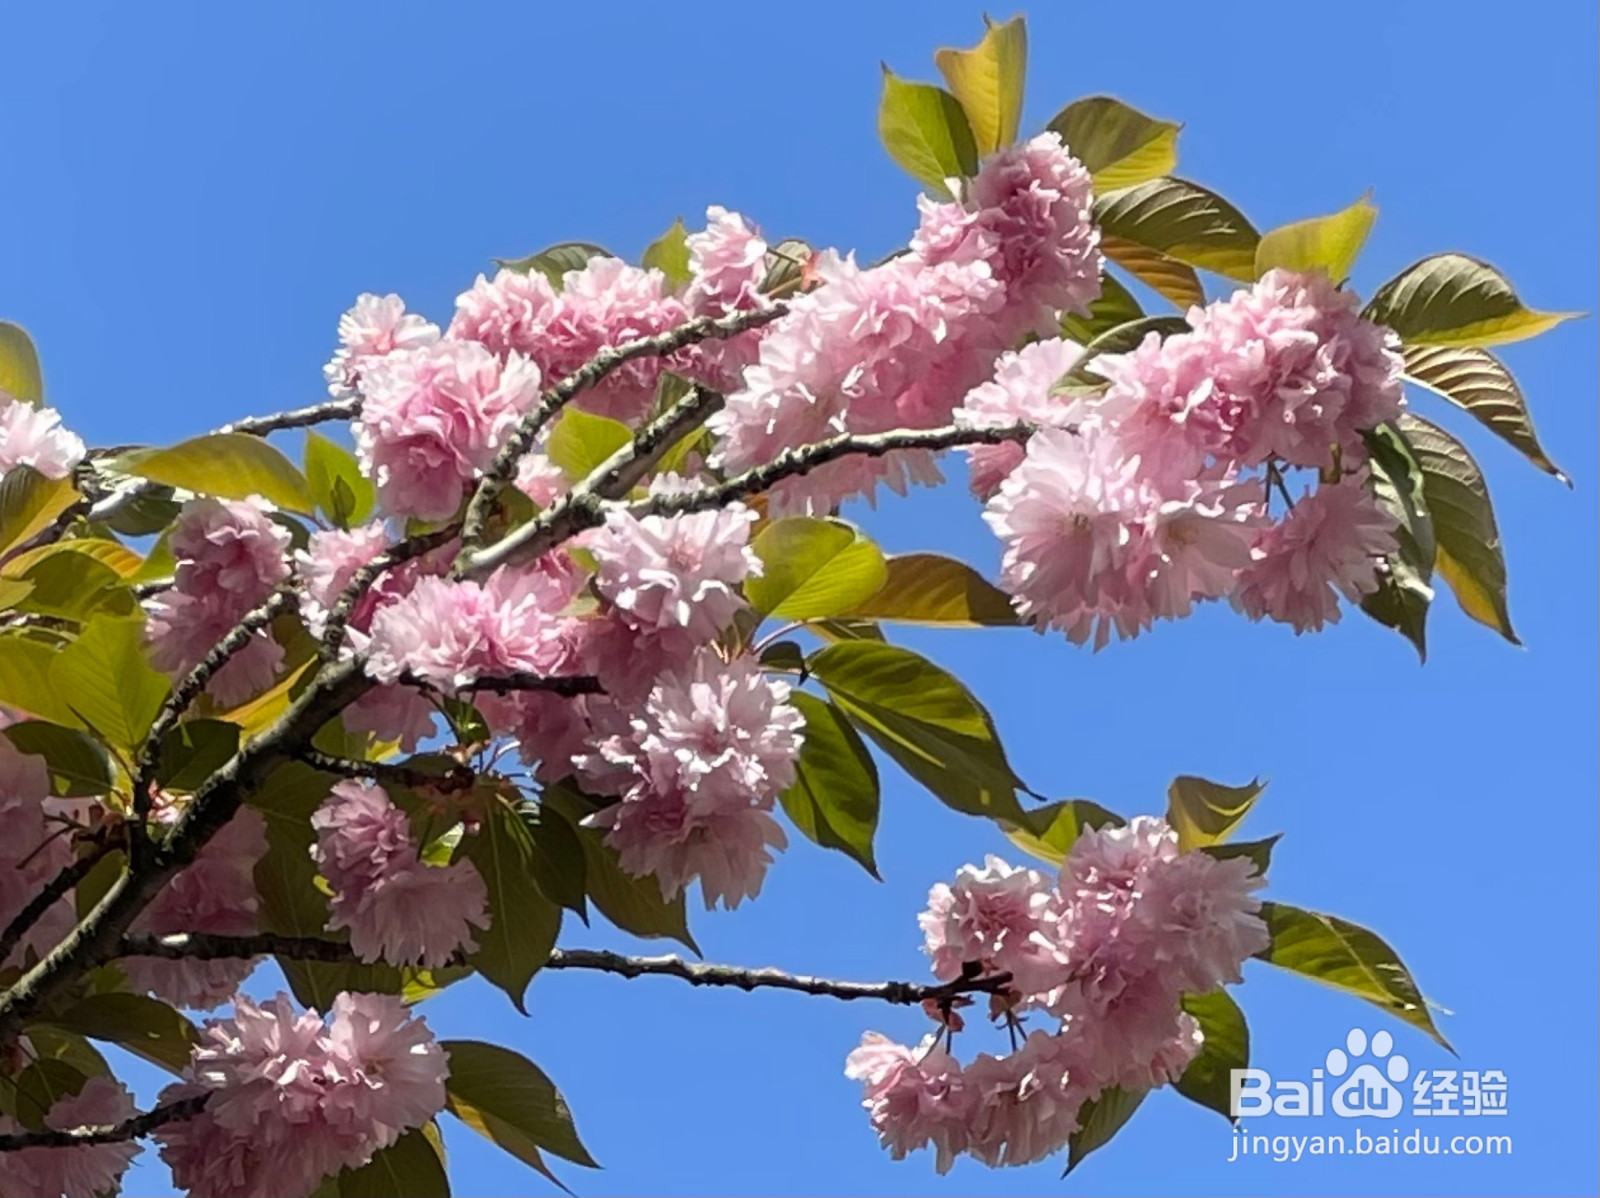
(989,80)
(124,561)
(925,588)
(344,494)
(1326,243)
(1119,145)
(925,131)
(1167,277)
(669,254)
(20,376)
(1099,1119)
(1478,382)
(227,465)
(29,504)
(25,681)
(812,569)
(1182,220)
(1049,832)
(555,261)
(1467,537)
(581,441)
(106,678)
(262,712)
(1451,299)
(1347,957)
(1203,812)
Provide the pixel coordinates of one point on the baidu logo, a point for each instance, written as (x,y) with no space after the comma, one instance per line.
(1367,1091)
(1366,1078)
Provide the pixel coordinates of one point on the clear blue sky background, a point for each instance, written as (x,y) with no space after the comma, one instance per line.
(194,193)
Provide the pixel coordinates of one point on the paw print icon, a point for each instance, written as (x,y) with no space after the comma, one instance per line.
(1368,1090)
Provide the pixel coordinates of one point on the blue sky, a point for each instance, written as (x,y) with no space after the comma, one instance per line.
(195,192)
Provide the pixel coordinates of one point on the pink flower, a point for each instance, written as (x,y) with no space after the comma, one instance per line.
(1025,1105)
(549,729)
(1312,371)
(293,1102)
(675,571)
(377,325)
(229,556)
(434,417)
(31,436)
(1092,541)
(999,918)
(393,713)
(509,315)
(727,261)
(1035,201)
(1329,545)
(78,1172)
(32,851)
(1019,393)
(215,894)
(608,303)
(1166,404)
(454,632)
(396,908)
(328,563)
(915,1097)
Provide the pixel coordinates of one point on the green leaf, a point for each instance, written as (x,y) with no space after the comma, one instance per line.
(1478,382)
(786,264)
(669,254)
(144,1026)
(1346,957)
(784,657)
(30,503)
(25,679)
(1404,591)
(1099,1119)
(20,376)
(341,491)
(13,592)
(52,1044)
(553,263)
(1115,306)
(227,465)
(926,720)
(581,441)
(1226,1047)
(1167,277)
(1259,851)
(29,1096)
(1049,832)
(634,904)
(1125,338)
(1464,528)
(79,767)
(925,588)
(989,81)
(523,923)
(1326,243)
(1117,144)
(1451,299)
(193,751)
(97,883)
(925,131)
(71,585)
(1205,812)
(834,798)
(466,721)
(813,568)
(558,859)
(1185,221)
(507,1099)
(408,1168)
(105,677)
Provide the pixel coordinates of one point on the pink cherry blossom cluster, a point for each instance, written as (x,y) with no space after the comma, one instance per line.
(33,436)
(395,907)
(292,1099)
(229,556)
(1104,953)
(1137,501)
(78,1171)
(36,846)
(897,344)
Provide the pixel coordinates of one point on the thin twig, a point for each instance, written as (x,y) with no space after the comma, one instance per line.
(701,328)
(458,777)
(135,1128)
(364,578)
(317,413)
(568,685)
(53,892)
(201,947)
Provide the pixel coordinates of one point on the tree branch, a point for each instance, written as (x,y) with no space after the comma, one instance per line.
(363,579)
(802,460)
(458,777)
(701,328)
(53,892)
(567,685)
(196,946)
(317,413)
(135,1128)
